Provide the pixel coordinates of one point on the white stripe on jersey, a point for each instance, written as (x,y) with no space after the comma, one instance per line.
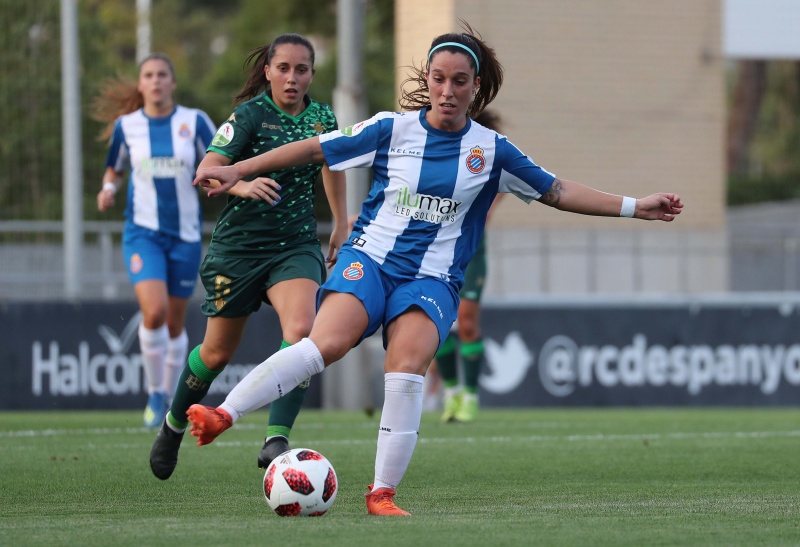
(402,170)
(431,189)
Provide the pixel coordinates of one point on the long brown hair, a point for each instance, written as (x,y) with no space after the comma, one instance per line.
(120,95)
(262,56)
(490,71)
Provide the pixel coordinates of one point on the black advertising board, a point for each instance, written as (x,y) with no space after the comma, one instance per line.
(86,356)
(687,355)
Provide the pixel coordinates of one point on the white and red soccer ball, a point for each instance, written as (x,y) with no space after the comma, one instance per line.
(300,482)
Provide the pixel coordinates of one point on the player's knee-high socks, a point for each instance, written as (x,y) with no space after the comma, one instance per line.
(176,359)
(274,378)
(399,429)
(472,360)
(194,383)
(153,343)
(283,412)
(446,361)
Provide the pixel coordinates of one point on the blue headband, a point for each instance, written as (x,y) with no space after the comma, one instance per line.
(462,46)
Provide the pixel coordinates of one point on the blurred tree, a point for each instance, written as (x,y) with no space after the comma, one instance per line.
(30,93)
(776,146)
(748,92)
(764,132)
(208,41)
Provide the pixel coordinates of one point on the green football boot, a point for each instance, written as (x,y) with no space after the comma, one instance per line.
(468,407)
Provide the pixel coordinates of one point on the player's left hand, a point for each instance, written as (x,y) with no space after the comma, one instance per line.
(338,237)
(659,206)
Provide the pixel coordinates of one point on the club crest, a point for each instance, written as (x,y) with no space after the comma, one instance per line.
(136,263)
(475,161)
(354,271)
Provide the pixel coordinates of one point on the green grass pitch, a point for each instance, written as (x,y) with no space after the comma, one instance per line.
(515,477)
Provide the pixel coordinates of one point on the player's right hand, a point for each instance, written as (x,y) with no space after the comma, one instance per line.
(105,200)
(261,188)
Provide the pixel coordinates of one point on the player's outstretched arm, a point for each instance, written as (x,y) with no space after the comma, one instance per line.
(571,196)
(284,157)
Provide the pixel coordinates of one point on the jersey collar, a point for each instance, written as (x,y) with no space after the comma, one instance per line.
(306,101)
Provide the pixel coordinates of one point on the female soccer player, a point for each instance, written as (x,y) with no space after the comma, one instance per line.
(435,175)
(265,246)
(161,143)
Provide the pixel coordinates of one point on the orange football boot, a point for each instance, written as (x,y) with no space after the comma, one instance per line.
(381,503)
(208,423)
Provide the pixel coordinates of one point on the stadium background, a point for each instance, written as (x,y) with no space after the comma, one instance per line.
(632,97)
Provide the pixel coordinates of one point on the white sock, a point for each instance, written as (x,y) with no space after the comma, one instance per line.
(176,359)
(153,343)
(274,378)
(402,413)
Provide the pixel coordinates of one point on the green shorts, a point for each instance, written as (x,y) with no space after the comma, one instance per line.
(475,275)
(236,287)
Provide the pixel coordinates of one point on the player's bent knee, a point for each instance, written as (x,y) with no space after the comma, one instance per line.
(215,359)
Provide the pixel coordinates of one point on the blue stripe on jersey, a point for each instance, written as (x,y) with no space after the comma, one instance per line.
(204,133)
(117,150)
(380,179)
(161,147)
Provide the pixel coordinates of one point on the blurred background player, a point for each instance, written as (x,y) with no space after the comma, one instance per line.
(161,143)
(265,246)
(464,344)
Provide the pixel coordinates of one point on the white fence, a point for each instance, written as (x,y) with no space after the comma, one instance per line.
(762,257)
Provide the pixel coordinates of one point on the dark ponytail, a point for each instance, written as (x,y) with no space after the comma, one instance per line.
(262,56)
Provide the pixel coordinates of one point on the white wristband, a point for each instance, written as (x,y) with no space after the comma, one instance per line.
(628,207)
(108,185)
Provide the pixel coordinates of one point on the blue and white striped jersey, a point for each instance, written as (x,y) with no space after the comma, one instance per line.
(162,154)
(431,189)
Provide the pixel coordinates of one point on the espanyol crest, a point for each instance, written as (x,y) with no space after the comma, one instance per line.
(475,161)
(354,271)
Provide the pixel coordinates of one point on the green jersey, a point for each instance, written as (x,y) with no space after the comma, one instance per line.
(248,228)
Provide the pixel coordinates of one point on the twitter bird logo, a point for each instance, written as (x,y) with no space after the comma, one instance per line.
(508,364)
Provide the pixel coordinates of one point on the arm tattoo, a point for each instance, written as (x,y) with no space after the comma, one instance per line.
(553,195)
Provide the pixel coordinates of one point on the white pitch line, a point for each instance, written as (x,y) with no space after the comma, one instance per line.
(597,437)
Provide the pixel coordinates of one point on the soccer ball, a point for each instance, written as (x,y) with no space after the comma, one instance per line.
(300,483)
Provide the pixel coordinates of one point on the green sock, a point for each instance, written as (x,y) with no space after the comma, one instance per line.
(284,411)
(472,357)
(446,361)
(195,382)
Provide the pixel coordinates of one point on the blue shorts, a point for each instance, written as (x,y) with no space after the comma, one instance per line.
(386,296)
(153,255)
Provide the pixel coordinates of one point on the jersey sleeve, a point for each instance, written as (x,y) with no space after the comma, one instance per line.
(334,125)
(233,135)
(353,146)
(118,157)
(520,175)
(204,133)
